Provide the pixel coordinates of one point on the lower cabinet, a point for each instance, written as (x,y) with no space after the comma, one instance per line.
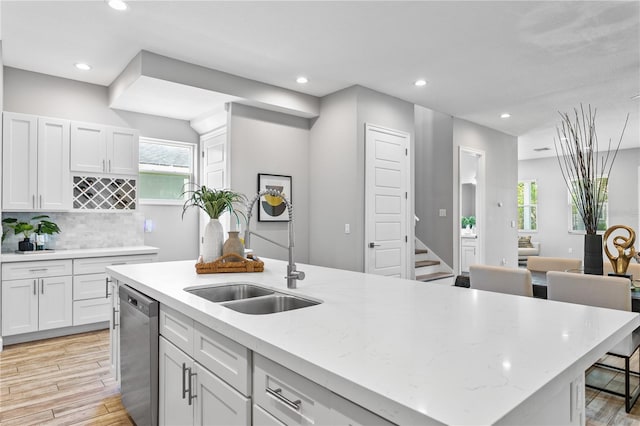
(189,394)
(468,254)
(36,304)
(114,329)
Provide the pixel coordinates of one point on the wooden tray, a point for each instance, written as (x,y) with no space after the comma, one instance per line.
(230,263)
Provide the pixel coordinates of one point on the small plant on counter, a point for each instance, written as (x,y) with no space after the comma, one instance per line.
(38,224)
(214,201)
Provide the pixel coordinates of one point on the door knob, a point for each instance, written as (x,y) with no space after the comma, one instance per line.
(372,245)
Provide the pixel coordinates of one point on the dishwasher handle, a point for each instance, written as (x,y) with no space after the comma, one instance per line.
(138,301)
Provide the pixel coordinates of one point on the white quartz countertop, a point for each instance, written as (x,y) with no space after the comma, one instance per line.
(77,254)
(412,352)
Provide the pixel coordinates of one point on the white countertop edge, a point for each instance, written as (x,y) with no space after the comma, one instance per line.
(381,405)
(78,253)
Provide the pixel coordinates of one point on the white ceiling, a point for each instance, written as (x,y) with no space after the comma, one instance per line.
(481,58)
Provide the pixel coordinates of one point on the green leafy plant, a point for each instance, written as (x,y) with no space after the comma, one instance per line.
(38,224)
(472,221)
(465,221)
(213,201)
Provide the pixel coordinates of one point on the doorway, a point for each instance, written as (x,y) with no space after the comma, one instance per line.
(471,207)
(387,183)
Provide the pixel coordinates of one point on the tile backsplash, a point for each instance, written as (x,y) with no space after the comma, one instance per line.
(85,230)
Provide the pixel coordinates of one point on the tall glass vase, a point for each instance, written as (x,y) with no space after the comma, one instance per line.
(593,254)
(213,239)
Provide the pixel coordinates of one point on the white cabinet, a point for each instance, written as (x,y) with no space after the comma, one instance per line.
(102,149)
(36,304)
(192,374)
(468,253)
(294,400)
(114,330)
(35,163)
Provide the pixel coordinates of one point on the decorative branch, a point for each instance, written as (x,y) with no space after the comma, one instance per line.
(584,171)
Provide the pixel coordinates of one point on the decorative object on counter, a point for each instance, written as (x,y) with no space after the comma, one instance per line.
(586,172)
(214,202)
(624,246)
(230,263)
(233,245)
(273,208)
(40,225)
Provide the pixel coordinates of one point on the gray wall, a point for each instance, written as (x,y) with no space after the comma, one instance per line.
(501,166)
(40,94)
(434,181)
(553,216)
(337,173)
(270,142)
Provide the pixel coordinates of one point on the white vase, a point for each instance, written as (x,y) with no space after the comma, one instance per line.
(213,239)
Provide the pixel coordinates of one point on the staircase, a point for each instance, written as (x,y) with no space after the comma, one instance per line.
(428,266)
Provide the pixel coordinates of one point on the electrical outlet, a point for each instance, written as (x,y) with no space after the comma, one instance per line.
(148,225)
(347,228)
(570,250)
(443,212)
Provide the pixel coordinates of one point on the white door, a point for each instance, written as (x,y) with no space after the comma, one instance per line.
(173,406)
(19,162)
(386,199)
(215,169)
(19,306)
(54,182)
(217,403)
(88,148)
(122,151)
(56,302)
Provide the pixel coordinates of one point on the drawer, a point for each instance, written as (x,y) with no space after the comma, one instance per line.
(176,328)
(91,311)
(96,265)
(36,269)
(93,286)
(224,357)
(287,396)
(262,418)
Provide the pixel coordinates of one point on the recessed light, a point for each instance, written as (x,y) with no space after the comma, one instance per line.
(117,4)
(82,66)
(420,83)
(505,115)
(302,80)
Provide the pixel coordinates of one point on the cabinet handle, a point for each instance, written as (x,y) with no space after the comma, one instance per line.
(191,395)
(103,166)
(42,286)
(106,287)
(115,311)
(109,166)
(277,393)
(34,287)
(38,270)
(33,201)
(41,201)
(184,380)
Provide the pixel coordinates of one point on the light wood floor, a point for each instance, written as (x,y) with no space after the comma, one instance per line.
(66,381)
(61,381)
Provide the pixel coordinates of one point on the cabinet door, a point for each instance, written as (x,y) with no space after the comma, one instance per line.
(173,404)
(468,257)
(54,181)
(19,161)
(217,403)
(56,303)
(88,148)
(122,151)
(91,311)
(114,331)
(19,306)
(92,286)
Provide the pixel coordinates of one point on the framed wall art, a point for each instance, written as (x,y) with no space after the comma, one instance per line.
(273,209)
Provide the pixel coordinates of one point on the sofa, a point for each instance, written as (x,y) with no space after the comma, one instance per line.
(527,248)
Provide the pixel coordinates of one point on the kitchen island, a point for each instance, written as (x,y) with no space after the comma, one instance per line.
(410,352)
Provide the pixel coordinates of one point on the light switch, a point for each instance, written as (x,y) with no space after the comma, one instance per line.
(347,228)
(513,223)
(443,212)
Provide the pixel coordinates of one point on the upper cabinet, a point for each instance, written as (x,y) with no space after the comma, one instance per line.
(35,160)
(103,149)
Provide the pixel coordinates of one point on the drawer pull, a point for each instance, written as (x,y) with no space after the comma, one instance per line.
(39,270)
(277,393)
(34,287)
(106,287)
(184,381)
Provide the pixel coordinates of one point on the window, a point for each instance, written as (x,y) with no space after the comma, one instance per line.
(165,168)
(576,225)
(527,205)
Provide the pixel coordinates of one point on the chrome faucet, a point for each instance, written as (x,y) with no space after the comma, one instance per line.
(293,275)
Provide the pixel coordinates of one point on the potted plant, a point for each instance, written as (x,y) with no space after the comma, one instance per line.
(41,227)
(585,172)
(214,202)
(44,229)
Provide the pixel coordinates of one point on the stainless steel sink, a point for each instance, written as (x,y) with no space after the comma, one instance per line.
(272,304)
(230,292)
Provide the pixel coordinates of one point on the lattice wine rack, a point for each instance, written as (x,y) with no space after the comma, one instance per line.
(103,193)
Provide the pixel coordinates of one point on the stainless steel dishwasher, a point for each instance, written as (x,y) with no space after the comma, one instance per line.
(139,355)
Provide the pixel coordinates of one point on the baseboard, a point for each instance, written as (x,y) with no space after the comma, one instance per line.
(48,334)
